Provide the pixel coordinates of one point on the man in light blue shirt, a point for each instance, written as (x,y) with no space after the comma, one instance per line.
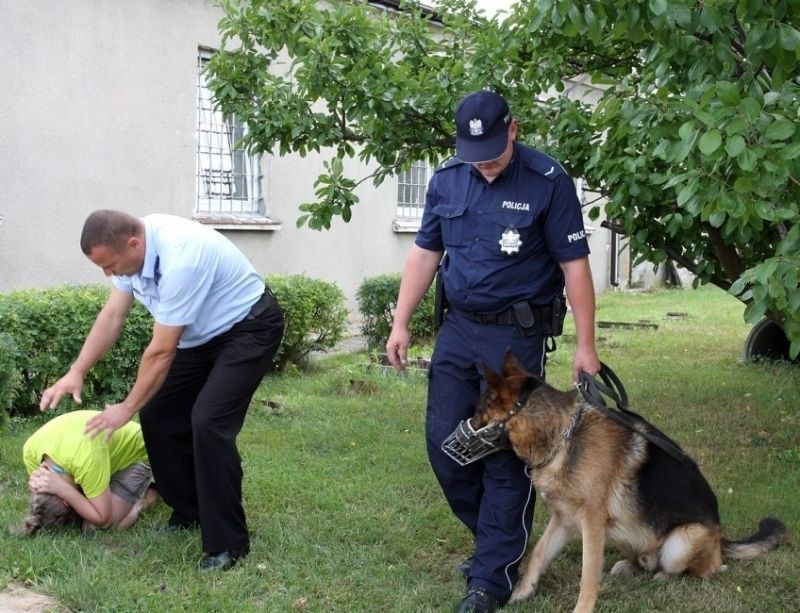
(216,331)
(192,276)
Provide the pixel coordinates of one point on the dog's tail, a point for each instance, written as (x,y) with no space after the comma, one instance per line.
(771,533)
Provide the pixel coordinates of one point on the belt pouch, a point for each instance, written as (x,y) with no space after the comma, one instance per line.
(525,319)
(558,311)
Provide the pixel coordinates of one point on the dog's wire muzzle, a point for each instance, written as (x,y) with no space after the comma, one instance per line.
(466,445)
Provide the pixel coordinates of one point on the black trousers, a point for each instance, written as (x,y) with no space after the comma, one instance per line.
(190,426)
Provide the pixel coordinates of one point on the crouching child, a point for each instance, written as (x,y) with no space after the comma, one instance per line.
(74,478)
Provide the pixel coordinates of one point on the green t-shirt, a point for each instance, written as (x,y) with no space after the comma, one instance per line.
(90,461)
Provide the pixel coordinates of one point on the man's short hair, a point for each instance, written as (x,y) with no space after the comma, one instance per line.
(109,229)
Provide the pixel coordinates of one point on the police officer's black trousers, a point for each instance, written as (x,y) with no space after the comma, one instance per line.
(190,427)
(493,497)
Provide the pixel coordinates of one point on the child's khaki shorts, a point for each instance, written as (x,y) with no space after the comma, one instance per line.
(130,483)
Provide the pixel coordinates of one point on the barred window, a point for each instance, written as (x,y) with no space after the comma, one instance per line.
(228,178)
(411,187)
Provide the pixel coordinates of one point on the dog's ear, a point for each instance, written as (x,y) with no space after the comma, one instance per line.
(529,384)
(511,365)
(492,378)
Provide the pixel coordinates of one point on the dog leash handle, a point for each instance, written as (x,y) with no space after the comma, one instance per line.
(611,386)
(592,390)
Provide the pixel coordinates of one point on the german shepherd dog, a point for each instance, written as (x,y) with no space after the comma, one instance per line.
(603,480)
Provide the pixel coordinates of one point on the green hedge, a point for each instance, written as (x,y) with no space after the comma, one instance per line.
(48,328)
(316,317)
(9,375)
(377,299)
(44,330)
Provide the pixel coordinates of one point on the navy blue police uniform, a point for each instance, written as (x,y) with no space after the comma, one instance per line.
(504,241)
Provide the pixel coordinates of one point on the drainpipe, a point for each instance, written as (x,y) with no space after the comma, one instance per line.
(613,260)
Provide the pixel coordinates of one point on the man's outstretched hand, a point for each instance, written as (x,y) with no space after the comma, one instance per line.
(71,383)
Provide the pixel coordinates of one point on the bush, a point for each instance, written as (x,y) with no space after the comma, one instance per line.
(44,331)
(9,374)
(377,299)
(316,317)
(48,328)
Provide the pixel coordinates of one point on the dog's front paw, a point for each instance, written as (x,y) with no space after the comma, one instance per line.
(624,567)
(522,592)
(649,561)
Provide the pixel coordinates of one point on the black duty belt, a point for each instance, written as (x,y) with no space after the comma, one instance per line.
(267,299)
(541,315)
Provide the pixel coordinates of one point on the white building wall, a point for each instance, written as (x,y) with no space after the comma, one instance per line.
(97,107)
(98,111)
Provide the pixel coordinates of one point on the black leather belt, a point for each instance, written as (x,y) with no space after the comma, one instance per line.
(261,305)
(541,314)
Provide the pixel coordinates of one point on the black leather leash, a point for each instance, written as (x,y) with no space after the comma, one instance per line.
(611,386)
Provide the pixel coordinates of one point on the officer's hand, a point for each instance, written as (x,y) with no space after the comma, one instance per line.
(397,348)
(585,360)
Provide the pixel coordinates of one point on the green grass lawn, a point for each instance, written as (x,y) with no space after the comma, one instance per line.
(345,513)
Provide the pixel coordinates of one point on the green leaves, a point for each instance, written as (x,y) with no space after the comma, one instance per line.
(728,93)
(710,141)
(316,317)
(779,130)
(788,37)
(735,145)
(772,288)
(658,7)
(335,198)
(48,328)
(377,299)
(692,137)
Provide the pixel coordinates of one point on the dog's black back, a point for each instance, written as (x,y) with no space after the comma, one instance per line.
(673,492)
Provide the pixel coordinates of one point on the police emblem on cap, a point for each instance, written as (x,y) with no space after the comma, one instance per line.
(510,241)
(475,127)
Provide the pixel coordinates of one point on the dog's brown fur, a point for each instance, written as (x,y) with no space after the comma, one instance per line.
(606,481)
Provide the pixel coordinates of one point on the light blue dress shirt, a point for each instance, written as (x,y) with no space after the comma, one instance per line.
(192,276)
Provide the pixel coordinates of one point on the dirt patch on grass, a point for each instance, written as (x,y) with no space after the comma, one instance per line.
(18,599)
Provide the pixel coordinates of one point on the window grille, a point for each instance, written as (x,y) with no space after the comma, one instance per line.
(411,187)
(228,178)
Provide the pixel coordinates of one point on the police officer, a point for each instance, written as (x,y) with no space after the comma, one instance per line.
(509,221)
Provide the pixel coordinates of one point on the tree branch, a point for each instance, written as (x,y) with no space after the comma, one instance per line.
(674,255)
